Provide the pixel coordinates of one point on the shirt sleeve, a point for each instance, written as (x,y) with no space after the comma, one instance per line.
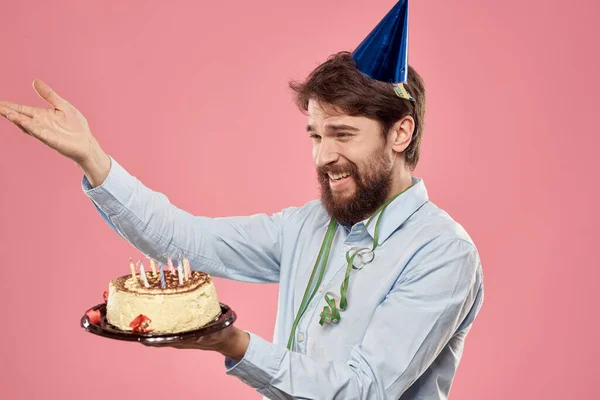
(408,330)
(245,248)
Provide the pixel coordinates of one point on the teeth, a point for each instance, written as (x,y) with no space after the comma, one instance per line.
(337,177)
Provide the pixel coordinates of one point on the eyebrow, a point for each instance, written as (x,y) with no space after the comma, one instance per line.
(334,127)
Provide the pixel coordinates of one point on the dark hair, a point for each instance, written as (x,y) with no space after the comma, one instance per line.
(338,82)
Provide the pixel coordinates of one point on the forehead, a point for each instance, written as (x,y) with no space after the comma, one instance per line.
(321,116)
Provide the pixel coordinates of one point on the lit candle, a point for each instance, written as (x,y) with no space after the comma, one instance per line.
(143,274)
(180,272)
(132,267)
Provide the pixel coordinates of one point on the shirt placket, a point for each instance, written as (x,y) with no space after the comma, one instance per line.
(336,263)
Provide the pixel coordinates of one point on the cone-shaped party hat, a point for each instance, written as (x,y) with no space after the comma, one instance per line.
(383,54)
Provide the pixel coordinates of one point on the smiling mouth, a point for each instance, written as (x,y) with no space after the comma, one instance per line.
(339,176)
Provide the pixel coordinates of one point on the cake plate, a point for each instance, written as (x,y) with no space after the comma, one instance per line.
(103,328)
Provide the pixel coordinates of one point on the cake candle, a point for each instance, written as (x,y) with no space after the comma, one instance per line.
(143,274)
(180,272)
(162,275)
(170,263)
(153,267)
(132,267)
(186,266)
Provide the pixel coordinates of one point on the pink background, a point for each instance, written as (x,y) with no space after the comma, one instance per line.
(192,98)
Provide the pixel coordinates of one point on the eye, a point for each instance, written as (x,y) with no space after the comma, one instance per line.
(314,136)
(343,135)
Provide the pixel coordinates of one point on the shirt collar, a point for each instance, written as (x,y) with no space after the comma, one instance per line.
(398,211)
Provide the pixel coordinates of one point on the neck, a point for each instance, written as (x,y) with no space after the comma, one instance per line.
(399,185)
(402,177)
(402,182)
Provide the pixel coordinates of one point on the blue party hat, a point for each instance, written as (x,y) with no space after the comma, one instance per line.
(383,54)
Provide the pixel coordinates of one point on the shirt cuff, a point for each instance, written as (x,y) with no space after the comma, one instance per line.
(260,363)
(111,196)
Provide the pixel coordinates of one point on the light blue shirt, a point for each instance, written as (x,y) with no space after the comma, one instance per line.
(409,310)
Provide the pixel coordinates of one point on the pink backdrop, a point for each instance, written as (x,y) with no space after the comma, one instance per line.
(192,99)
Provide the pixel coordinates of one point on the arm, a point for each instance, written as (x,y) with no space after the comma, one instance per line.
(408,330)
(242,248)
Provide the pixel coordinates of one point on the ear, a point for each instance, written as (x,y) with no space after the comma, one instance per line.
(401,133)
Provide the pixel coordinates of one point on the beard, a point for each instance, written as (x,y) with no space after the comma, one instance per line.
(372,188)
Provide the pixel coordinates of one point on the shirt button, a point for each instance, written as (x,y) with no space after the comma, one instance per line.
(322,288)
(301,337)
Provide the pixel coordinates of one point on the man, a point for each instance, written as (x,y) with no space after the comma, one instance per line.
(378,286)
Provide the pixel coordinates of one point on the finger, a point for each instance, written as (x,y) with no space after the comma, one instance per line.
(155,344)
(165,346)
(46,93)
(25,122)
(174,345)
(182,347)
(23,129)
(19,120)
(21,109)
(4,112)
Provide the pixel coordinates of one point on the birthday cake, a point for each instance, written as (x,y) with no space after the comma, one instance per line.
(169,301)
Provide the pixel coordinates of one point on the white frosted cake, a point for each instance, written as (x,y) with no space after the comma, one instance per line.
(178,307)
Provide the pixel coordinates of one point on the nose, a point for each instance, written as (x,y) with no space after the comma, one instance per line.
(325,153)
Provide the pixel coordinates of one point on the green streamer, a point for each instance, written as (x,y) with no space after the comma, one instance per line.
(331,312)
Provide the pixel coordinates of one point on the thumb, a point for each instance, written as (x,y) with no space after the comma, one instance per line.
(49,95)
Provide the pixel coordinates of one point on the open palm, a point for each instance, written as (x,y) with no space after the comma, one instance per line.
(62,127)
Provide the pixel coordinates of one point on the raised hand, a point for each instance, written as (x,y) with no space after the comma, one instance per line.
(62,128)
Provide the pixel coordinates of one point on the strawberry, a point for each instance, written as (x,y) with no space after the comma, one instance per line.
(94,316)
(106,296)
(141,323)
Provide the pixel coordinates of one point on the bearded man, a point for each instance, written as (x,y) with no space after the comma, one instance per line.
(378,286)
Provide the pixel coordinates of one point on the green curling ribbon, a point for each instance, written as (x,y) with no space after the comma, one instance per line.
(315,278)
(331,312)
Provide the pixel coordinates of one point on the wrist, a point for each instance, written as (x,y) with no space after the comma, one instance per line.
(96,166)
(234,348)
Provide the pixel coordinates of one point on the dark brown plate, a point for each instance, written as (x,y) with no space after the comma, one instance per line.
(107,330)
